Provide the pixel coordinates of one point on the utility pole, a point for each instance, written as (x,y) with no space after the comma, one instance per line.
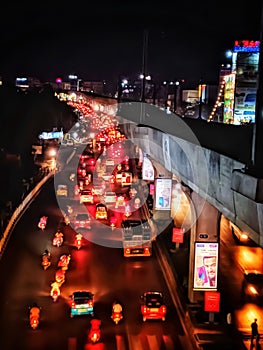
(144,62)
(257,142)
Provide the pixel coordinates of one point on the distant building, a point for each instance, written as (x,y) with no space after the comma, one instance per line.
(27,83)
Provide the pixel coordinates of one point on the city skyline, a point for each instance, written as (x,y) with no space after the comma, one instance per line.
(185,41)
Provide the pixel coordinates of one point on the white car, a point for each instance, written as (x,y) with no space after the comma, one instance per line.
(86,196)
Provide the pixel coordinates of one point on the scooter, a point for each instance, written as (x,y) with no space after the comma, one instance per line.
(78,239)
(45,261)
(34,316)
(64,261)
(116,317)
(94,332)
(58,239)
(55,293)
(42,222)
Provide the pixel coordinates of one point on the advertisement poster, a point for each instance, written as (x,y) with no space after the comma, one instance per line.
(205,266)
(163,191)
(147,169)
(245,105)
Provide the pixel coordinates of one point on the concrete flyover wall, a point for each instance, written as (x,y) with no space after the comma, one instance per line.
(217,178)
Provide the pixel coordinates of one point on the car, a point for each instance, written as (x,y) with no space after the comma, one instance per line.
(152,306)
(101,212)
(252,286)
(86,196)
(82,220)
(62,190)
(82,303)
(110,198)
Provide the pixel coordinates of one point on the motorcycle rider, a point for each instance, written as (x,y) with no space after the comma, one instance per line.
(34,311)
(59,234)
(95,323)
(55,287)
(116,307)
(78,238)
(46,252)
(34,315)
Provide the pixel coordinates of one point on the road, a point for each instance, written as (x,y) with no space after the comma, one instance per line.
(95,267)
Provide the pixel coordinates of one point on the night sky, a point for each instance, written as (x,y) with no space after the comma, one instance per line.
(187,39)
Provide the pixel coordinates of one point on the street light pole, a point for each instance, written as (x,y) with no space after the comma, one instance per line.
(144,63)
(257,143)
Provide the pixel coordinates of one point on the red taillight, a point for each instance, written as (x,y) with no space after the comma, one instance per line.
(146,250)
(90,303)
(144,310)
(35,321)
(127,251)
(163,309)
(73,304)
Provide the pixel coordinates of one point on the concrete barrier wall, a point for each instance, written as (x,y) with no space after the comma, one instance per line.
(20,210)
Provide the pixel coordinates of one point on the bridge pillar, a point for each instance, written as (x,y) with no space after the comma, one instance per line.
(205,222)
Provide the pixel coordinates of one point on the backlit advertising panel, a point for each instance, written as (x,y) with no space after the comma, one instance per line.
(163,191)
(205,266)
(229,98)
(147,169)
(245,105)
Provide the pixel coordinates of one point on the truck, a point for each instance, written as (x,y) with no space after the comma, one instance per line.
(137,238)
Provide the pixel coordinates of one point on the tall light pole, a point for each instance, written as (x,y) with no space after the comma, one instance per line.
(257,143)
(144,62)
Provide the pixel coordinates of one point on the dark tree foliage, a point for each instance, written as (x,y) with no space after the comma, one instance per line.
(24,115)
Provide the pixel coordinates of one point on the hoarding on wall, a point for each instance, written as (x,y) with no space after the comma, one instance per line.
(205,266)
(147,169)
(246,46)
(245,105)
(229,98)
(246,69)
(51,135)
(163,192)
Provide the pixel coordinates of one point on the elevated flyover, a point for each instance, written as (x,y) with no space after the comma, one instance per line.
(212,160)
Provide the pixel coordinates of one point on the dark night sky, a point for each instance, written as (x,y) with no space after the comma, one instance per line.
(101,40)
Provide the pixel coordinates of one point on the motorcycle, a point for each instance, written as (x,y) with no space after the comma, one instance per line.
(58,239)
(46,260)
(116,317)
(94,332)
(55,291)
(78,239)
(34,316)
(117,314)
(64,261)
(42,222)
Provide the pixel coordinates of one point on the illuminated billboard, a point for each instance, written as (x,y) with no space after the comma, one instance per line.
(246,46)
(245,105)
(229,98)
(205,266)
(163,191)
(147,169)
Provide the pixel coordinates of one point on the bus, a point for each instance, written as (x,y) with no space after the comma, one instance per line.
(137,238)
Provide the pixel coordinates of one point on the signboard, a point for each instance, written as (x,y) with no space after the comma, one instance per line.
(147,169)
(229,94)
(178,235)
(51,135)
(152,189)
(245,105)
(205,266)
(163,191)
(246,46)
(212,302)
